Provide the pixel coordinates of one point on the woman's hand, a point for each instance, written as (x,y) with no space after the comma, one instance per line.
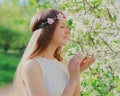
(87,62)
(74,67)
(72,88)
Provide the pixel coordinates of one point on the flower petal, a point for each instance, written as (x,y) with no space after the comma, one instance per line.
(50,20)
(59,16)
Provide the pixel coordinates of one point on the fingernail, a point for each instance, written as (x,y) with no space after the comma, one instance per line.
(89,56)
(84,61)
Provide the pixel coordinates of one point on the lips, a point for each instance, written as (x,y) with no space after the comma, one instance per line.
(65,37)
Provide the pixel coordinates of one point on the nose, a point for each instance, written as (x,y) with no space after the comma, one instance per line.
(67,31)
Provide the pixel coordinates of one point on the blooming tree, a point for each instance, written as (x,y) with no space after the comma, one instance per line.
(95,28)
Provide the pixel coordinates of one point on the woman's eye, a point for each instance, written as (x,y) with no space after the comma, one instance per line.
(62,27)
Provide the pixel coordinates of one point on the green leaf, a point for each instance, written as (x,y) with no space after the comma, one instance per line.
(114,18)
(70,22)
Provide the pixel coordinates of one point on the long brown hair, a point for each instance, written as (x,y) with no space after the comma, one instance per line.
(42,35)
(46,33)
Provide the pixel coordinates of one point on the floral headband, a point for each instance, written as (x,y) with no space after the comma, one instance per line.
(51,20)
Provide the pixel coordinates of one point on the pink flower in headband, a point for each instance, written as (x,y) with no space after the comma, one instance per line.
(59,16)
(50,20)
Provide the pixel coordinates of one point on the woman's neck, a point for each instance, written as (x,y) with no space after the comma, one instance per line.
(49,52)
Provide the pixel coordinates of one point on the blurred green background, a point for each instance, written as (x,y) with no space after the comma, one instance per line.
(94,26)
(14,34)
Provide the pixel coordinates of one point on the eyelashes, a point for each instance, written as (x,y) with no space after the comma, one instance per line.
(62,27)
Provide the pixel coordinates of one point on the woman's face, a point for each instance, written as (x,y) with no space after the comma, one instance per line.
(61,33)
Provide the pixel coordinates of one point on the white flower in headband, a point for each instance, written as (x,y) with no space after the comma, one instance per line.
(59,16)
(50,20)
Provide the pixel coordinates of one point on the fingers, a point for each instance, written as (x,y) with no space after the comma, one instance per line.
(89,60)
(74,69)
(92,60)
(83,61)
(76,60)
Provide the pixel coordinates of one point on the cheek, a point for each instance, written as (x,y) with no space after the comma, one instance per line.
(58,34)
(58,37)
(60,41)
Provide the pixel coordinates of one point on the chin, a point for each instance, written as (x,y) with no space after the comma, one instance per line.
(64,43)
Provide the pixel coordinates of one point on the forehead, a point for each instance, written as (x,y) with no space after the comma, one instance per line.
(62,21)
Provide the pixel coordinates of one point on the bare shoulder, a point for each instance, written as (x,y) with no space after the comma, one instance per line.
(32,78)
(31,66)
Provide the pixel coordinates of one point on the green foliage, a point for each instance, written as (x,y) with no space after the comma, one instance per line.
(114,18)
(8,38)
(8,66)
(70,24)
(14,26)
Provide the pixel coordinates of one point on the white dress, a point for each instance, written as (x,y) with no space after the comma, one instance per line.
(54,74)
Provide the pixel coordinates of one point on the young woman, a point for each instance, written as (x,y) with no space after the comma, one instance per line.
(42,71)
